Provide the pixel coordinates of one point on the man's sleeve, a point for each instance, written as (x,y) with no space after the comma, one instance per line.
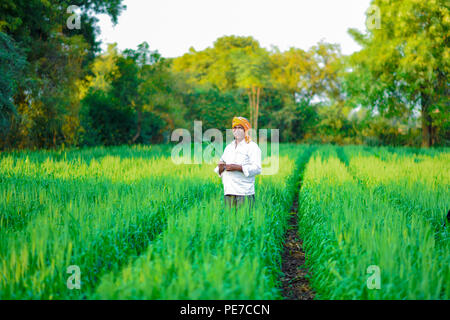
(216,170)
(254,166)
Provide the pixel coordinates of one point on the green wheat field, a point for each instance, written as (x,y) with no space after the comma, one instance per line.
(139,226)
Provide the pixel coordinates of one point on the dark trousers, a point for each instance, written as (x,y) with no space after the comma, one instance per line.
(236,201)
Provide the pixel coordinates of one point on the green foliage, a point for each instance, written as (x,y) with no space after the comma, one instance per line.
(32,21)
(393,220)
(47,97)
(135,85)
(298,120)
(404,65)
(287,81)
(95,208)
(308,94)
(108,209)
(104,121)
(141,227)
(213,107)
(11,66)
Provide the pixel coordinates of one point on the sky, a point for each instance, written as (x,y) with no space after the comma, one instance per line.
(173,26)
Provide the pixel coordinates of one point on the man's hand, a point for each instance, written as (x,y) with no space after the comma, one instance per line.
(221,165)
(233,167)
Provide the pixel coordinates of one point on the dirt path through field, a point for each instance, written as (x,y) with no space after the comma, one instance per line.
(295,286)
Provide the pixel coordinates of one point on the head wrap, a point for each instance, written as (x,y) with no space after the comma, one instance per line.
(243,122)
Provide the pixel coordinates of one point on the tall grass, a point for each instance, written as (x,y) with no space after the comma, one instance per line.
(415,185)
(346,228)
(211,252)
(139,226)
(107,209)
(97,216)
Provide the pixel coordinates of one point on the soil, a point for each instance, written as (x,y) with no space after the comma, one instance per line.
(295,285)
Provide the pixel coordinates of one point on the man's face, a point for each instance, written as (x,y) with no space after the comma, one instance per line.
(238,132)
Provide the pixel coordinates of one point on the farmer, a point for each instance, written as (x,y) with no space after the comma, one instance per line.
(238,166)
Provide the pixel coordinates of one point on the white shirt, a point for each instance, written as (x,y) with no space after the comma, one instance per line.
(248,155)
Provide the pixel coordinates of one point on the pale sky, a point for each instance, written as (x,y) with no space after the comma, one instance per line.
(172,26)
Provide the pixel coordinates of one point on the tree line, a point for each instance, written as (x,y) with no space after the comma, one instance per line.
(57,89)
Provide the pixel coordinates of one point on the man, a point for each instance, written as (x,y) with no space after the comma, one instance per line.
(239,164)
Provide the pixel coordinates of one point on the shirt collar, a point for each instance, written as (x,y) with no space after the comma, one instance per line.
(240,143)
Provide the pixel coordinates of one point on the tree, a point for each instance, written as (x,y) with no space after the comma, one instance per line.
(104,121)
(101,71)
(47,99)
(134,83)
(293,71)
(145,84)
(404,65)
(11,64)
(311,80)
(252,73)
(234,62)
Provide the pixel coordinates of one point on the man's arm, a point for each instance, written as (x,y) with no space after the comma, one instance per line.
(254,166)
(233,167)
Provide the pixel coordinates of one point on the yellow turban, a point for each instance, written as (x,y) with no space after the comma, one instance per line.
(243,122)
